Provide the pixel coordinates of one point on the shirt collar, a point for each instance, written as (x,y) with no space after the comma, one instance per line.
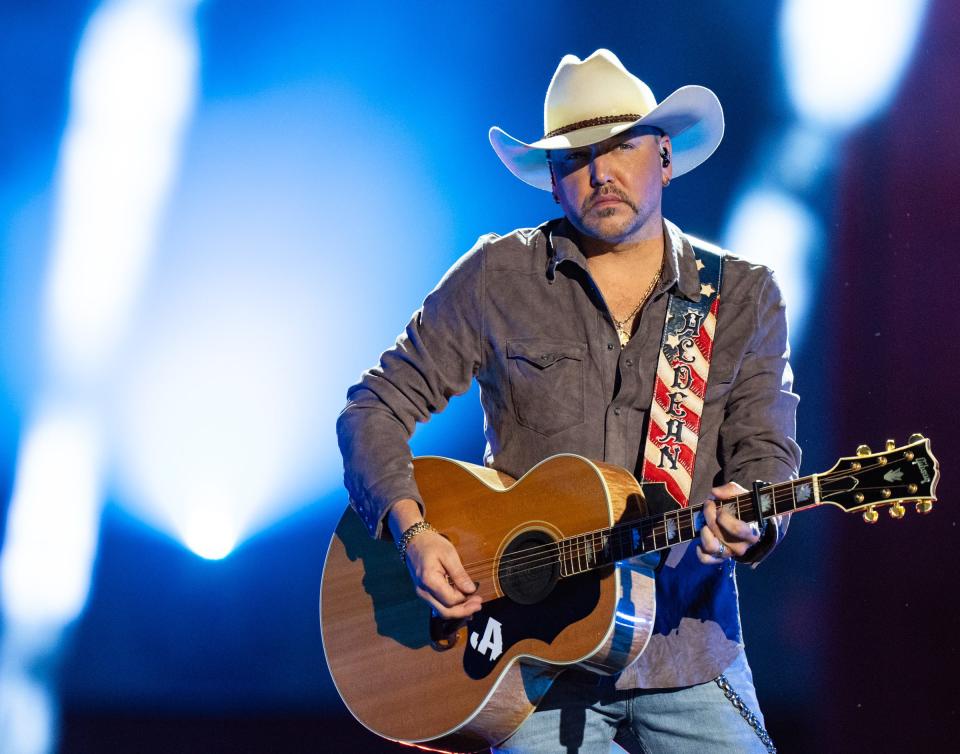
(680,264)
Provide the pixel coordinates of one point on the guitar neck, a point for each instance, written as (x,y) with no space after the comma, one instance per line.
(890,478)
(585,552)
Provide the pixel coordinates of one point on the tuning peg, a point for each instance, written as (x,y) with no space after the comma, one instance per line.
(870,515)
(916,437)
(896,510)
(891,444)
(863,450)
(924,506)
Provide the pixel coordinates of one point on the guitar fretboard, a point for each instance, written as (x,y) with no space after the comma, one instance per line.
(594,549)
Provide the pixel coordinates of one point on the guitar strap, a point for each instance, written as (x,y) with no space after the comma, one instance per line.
(680,385)
(679,388)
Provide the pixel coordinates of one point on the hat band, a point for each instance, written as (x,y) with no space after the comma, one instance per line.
(599,121)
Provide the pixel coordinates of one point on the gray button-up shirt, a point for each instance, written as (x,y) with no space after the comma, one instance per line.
(522,315)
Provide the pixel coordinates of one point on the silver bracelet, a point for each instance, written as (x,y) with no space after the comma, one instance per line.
(417,528)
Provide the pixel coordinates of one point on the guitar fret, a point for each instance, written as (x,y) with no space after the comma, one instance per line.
(792,484)
(655,533)
(585,552)
(738,501)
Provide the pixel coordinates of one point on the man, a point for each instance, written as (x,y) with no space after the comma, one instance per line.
(562,327)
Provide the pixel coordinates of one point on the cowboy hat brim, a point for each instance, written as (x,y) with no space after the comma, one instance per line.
(692,117)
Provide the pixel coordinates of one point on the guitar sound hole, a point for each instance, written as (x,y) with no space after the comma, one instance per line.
(529,568)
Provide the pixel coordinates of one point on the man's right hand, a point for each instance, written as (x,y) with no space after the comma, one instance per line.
(435,567)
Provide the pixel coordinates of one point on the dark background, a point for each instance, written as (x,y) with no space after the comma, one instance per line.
(851,630)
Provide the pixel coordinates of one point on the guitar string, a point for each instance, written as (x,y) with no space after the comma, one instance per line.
(786,491)
(742,502)
(583,546)
(578,547)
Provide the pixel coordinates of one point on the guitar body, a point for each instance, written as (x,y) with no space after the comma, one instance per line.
(558,558)
(463,687)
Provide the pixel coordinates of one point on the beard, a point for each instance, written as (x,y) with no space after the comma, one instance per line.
(610,223)
(602,193)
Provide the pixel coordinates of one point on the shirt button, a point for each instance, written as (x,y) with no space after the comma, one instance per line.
(616,411)
(629,362)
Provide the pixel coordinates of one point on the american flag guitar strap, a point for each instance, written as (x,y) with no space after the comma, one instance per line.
(681,383)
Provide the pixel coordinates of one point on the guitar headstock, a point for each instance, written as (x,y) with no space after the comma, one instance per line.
(892,478)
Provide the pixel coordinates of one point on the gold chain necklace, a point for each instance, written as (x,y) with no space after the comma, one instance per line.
(620,324)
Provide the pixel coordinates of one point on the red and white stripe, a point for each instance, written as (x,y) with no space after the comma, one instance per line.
(680,480)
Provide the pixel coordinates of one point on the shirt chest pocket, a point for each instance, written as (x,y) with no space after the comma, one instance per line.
(546,383)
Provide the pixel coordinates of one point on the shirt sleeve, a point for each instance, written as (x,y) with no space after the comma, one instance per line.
(758,433)
(434,359)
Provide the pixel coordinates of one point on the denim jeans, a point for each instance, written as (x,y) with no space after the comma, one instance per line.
(583,715)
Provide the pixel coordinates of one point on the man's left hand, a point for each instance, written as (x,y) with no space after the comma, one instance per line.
(725,535)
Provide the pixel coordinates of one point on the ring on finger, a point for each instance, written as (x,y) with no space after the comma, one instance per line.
(719,552)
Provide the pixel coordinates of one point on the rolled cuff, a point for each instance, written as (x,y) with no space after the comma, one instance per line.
(373,505)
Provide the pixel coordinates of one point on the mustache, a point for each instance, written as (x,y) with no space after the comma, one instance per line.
(603,193)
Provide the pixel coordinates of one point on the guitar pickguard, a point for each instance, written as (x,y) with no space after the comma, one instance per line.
(502,623)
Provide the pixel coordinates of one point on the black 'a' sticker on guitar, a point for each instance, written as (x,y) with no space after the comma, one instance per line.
(502,623)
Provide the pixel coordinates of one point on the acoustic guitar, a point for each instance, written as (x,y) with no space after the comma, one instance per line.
(561,559)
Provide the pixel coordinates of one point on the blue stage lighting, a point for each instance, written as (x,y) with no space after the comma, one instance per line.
(54,516)
(843,60)
(772,228)
(132,94)
(210,528)
(291,257)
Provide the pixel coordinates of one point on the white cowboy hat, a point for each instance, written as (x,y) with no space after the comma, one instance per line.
(591,100)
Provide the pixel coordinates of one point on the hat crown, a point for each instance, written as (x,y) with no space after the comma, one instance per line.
(597,87)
